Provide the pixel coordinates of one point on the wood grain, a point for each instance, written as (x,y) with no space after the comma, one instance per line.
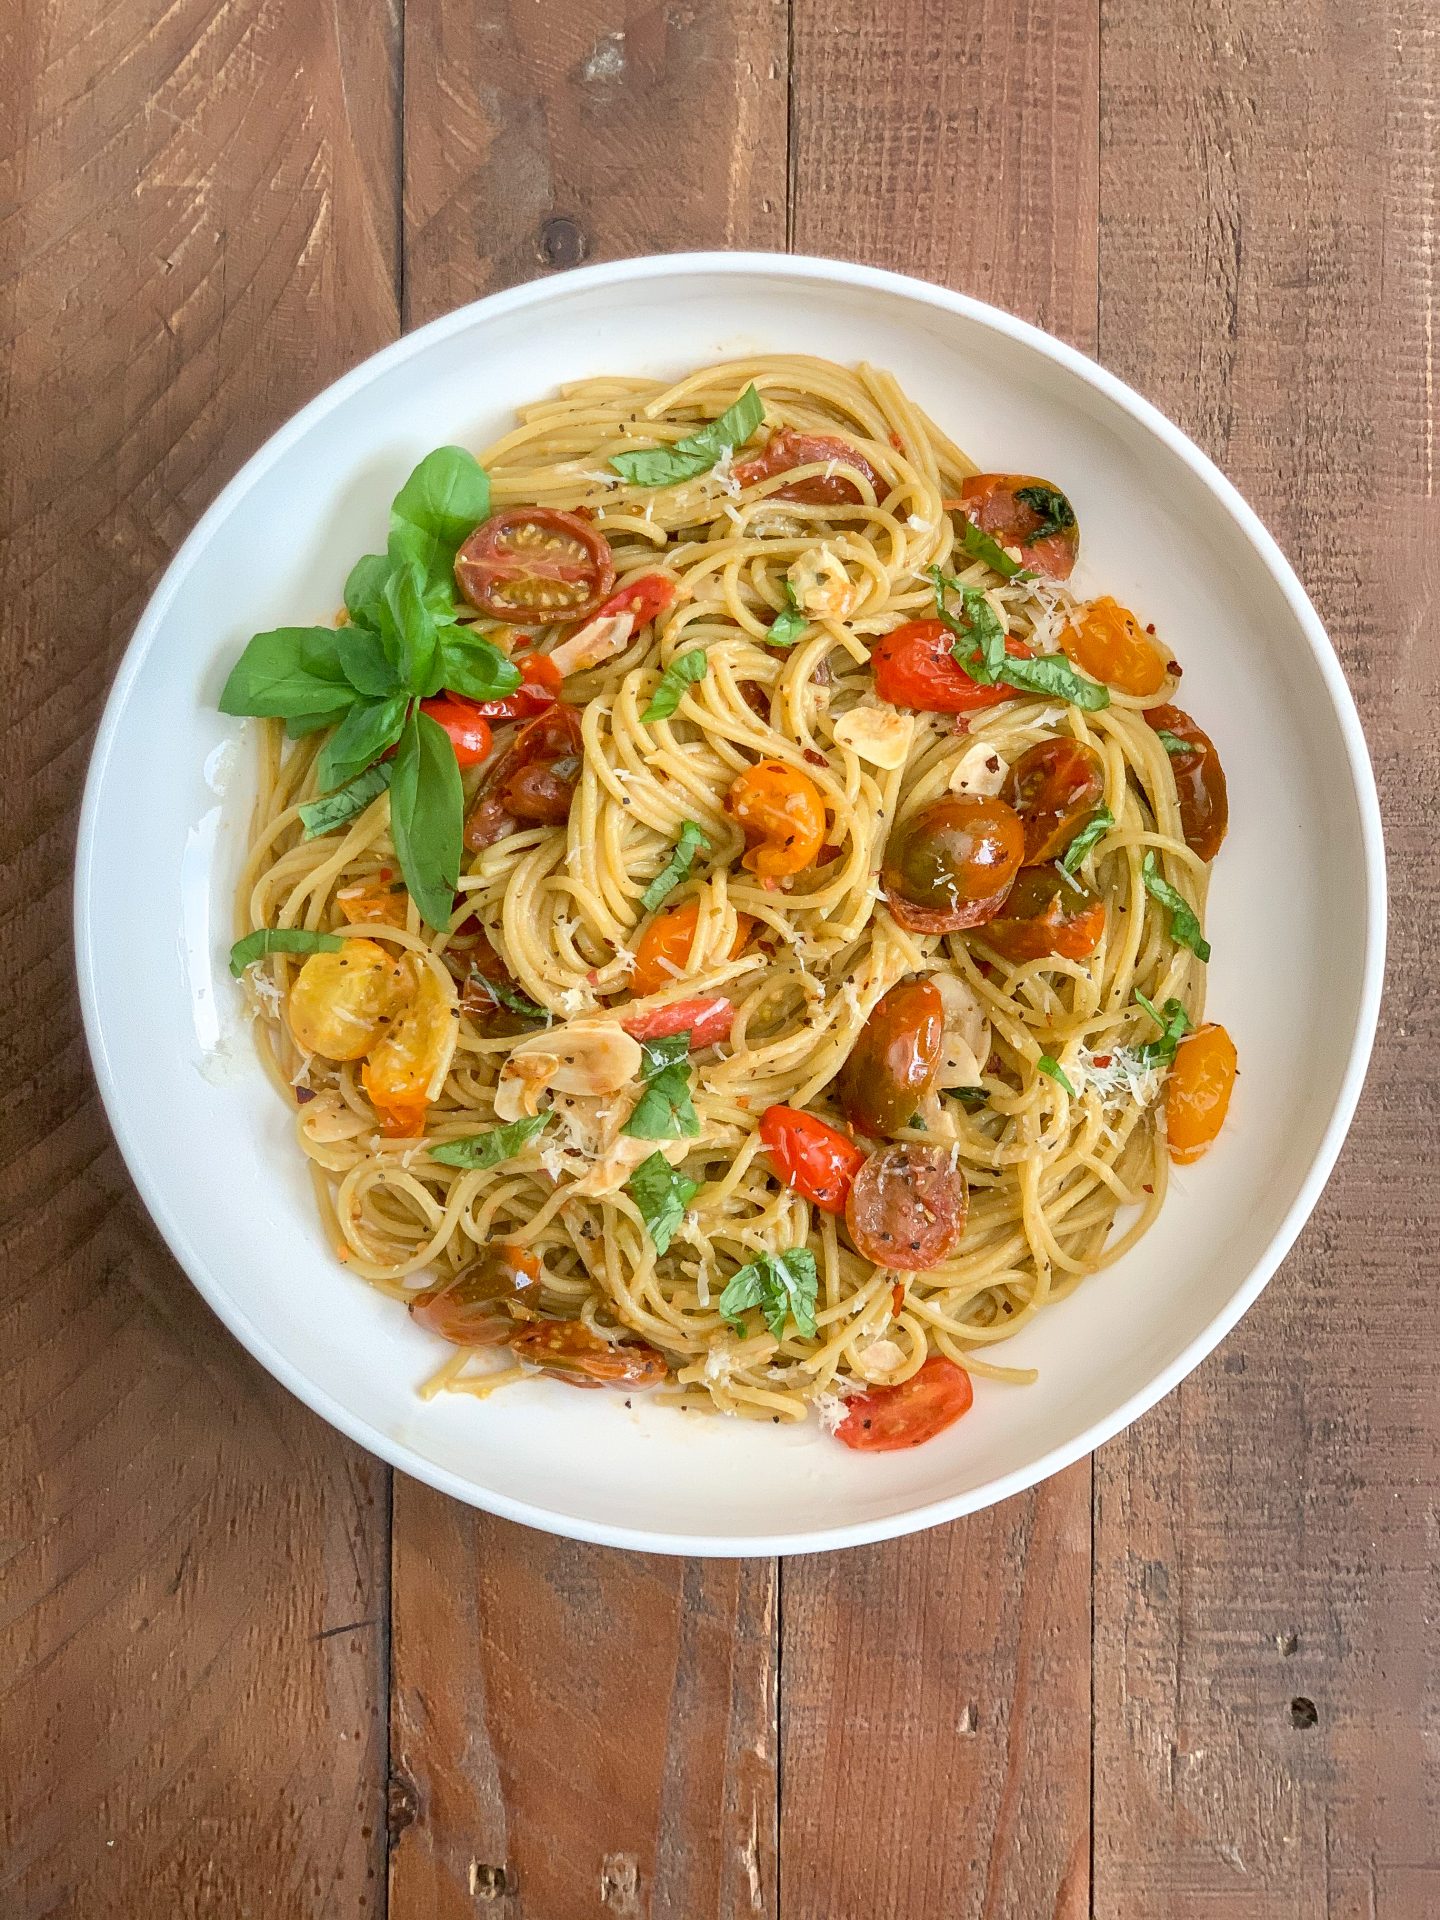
(199,230)
(1266,1675)
(935,1707)
(578,1731)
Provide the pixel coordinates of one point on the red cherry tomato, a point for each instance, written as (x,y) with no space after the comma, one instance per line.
(916,667)
(646,599)
(894,1060)
(466,725)
(950,865)
(533,782)
(809,1156)
(707,1020)
(535,563)
(1054,786)
(473,1308)
(1048,913)
(787,449)
(1031,515)
(906,1209)
(539,684)
(888,1418)
(1199,779)
(570,1349)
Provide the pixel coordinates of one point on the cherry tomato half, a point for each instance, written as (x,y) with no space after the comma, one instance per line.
(888,1418)
(895,1059)
(817,1160)
(664,949)
(1022,512)
(471,1309)
(539,684)
(1199,779)
(1197,1093)
(1048,913)
(707,1019)
(644,599)
(783,814)
(916,667)
(907,1207)
(535,563)
(787,449)
(467,728)
(1106,641)
(533,782)
(570,1349)
(950,865)
(1054,786)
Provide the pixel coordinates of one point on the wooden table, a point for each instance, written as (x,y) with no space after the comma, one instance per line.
(245,1670)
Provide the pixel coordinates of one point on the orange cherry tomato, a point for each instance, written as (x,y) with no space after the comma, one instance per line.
(1199,779)
(472,1309)
(1054,786)
(405,1059)
(895,1059)
(907,1207)
(950,865)
(888,1418)
(467,728)
(1028,514)
(533,782)
(570,1349)
(707,1019)
(1197,1093)
(535,563)
(783,814)
(1106,641)
(341,1001)
(915,666)
(373,903)
(787,449)
(1047,913)
(539,683)
(815,1159)
(664,949)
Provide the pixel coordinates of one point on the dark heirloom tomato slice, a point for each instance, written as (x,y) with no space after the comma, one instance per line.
(1199,780)
(815,1159)
(1031,515)
(915,666)
(1048,914)
(1054,786)
(888,1418)
(907,1207)
(471,1310)
(571,1350)
(950,865)
(535,563)
(533,783)
(895,1059)
(788,449)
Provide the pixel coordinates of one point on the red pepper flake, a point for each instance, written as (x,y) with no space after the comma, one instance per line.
(742,1100)
(1102,1059)
(987,972)
(898,444)
(897,1296)
(583,513)
(1174,666)
(1148,1188)
(592,978)
(302,1094)
(1151,627)
(387,873)
(826,855)
(962,725)
(993,763)
(815,757)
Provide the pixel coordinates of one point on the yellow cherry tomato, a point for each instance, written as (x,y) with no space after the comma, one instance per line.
(339,1000)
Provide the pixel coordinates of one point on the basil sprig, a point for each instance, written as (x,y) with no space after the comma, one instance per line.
(1174,1024)
(366,680)
(662,1194)
(980,649)
(697,452)
(677,867)
(685,670)
(788,625)
(1184,922)
(489,1149)
(780,1284)
(1095,828)
(256,945)
(978,545)
(664,1110)
(1053,1070)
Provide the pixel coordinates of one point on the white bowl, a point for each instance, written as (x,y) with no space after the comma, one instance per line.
(1296,914)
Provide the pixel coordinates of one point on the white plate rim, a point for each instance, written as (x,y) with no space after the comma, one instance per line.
(792,268)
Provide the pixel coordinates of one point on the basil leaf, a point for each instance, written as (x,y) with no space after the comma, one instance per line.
(490,1148)
(1055,511)
(664,1110)
(475,667)
(698,452)
(288,673)
(427,814)
(686,670)
(662,1194)
(324,816)
(1174,1024)
(980,649)
(509,997)
(368,667)
(1051,674)
(1094,829)
(978,545)
(408,630)
(255,946)
(1184,922)
(967,1096)
(1056,1072)
(1172,742)
(676,867)
(437,509)
(300,724)
(672,1050)
(364,587)
(779,1284)
(787,627)
(362,736)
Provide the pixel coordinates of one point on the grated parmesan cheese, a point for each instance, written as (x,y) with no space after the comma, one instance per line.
(723,473)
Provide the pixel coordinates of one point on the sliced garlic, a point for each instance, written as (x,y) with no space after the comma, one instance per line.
(966,1043)
(880,734)
(821,584)
(597,1058)
(980,769)
(604,637)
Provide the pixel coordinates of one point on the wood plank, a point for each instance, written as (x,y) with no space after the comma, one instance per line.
(576,1731)
(935,1714)
(1267,1671)
(199,232)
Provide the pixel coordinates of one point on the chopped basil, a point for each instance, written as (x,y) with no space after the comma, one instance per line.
(1055,1072)
(490,1148)
(1051,674)
(698,452)
(324,816)
(427,816)
(1055,511)
(664,1110)
(1095,828)
(255,946)
(1174,1024)
(662,1194)
(510,997)
(968,1096)
(1184,922)
(683,671)
(978,545)
(780,1284)
(787,626)
(691,841)
(980,649)
(1172,742)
